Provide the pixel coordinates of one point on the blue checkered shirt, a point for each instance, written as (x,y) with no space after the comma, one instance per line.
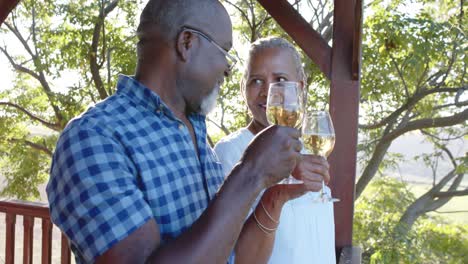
(124,161)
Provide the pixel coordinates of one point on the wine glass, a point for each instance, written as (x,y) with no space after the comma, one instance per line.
(318,138)
(285,107)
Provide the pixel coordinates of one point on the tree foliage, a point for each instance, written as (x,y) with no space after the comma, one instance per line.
(414,79)
(66,55)
(431,240)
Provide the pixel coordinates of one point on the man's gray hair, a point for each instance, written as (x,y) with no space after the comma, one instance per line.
(273,42)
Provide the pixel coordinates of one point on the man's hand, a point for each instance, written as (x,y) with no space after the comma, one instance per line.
(273,154)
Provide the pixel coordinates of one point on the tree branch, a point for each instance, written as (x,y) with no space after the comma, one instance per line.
(411,101)
(50,125)
(94,65)
(19,67)
(437,202)
(459,94)
(18,35)
(425,203)
(241,11)
(450,212)
(33,145)
(254,22)
(266,18)
(428,123)
(395,64)
(223,128)
(451,194)
(451,62)
(40,76)
(442,139)
(388,137)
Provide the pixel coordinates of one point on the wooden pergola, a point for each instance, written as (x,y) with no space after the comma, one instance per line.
(341,65)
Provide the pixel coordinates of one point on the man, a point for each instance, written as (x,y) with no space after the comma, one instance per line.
(133,179)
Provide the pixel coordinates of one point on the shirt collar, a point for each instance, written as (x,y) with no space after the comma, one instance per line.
(142,95)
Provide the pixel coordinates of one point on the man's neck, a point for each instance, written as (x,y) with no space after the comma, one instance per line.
(164,84)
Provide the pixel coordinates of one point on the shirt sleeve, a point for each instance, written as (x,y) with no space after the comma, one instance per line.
(93,191)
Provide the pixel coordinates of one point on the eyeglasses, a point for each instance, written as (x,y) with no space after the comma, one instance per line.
(231,60)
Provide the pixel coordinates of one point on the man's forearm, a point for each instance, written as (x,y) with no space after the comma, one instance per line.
(212,237)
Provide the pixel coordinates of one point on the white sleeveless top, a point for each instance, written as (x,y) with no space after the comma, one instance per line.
(306,232)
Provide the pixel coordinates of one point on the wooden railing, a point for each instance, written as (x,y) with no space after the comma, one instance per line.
(30,211)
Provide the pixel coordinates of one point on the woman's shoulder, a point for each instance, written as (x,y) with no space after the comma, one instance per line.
(239,137)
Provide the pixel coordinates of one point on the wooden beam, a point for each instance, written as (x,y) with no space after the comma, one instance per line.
(5,8)
(301,32)
(344,107)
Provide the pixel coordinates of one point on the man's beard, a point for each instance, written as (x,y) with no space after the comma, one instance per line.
(209,102)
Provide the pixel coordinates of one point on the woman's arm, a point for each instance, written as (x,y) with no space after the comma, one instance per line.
(255,243)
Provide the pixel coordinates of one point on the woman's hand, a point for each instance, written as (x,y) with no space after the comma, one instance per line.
(312,170)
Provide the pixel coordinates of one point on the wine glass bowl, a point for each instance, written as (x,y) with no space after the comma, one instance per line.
(318,138)
(318,134)
(285,104)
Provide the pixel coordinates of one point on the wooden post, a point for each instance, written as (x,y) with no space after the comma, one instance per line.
(10,238)
(65,255)
(28,223)
(344,107)
(5,8)
(46,241)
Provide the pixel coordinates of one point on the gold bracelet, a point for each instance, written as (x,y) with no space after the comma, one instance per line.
(266,212)
(265,229)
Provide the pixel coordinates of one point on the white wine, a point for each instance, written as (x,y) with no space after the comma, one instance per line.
(278,115)
(319,144)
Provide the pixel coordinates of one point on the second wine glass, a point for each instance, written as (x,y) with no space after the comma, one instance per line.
(318,138)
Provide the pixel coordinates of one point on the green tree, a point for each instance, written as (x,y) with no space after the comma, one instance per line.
(80,45)
(414,79)
(431,240)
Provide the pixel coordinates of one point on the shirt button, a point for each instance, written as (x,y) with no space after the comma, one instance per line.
(181,126)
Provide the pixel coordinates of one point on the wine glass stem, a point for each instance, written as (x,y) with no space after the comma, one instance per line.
(322,193)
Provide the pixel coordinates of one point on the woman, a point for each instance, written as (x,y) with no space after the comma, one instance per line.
(305,229)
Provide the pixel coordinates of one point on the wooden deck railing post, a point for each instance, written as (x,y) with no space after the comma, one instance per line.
(66,255)
(30,211)
(46,241)
(10,238)
(28,223)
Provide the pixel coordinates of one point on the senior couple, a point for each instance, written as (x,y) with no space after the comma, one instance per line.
(133,179)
